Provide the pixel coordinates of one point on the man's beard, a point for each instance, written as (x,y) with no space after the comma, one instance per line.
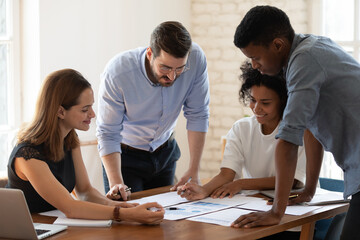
(165,79)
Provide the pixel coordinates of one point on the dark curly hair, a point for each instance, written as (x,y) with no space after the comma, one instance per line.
(251,77)
(261,25)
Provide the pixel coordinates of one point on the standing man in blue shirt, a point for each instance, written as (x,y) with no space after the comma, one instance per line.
(141,95)
(323,106)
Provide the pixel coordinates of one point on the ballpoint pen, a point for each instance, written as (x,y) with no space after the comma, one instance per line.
(290,197)
(185,183)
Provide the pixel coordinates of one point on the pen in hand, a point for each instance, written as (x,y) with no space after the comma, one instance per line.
(118,193)
(185,183)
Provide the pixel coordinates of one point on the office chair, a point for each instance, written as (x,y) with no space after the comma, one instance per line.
(330,229)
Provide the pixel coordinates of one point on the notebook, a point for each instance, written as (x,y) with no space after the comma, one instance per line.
(321,197)
(16,221)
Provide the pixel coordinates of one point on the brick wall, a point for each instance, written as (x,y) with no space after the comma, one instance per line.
(213,26)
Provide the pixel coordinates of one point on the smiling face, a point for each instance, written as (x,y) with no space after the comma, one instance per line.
(164,69)
(266,105)
(79,116)
(267,59)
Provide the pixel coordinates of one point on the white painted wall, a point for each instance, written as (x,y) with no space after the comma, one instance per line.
(84,35)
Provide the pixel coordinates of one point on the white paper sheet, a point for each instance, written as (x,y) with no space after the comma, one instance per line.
(291,210)
(164,199)
(224,217)
(82,222)
(63,220)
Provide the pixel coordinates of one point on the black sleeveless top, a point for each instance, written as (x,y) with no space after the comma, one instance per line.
(63,171)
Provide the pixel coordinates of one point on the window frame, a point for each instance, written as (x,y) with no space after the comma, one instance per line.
(316,25)
(13,83)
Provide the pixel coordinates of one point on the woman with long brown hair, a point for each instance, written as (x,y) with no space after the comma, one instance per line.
(46,164)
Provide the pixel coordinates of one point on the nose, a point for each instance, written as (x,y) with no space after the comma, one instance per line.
(256,108)
(254,64)
(172,75)
(92,113)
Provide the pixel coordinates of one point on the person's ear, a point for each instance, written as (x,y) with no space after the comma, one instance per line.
(61,112)
(278,44)
(149,53)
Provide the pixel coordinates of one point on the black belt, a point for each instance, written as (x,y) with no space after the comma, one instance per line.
(125,147)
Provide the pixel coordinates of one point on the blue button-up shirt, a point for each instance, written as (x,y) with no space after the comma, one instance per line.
(139,113)
(324,96)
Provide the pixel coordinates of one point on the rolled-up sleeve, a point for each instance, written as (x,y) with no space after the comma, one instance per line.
(196,106)
(110,116)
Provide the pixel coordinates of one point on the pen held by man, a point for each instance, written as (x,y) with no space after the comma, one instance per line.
(119,193)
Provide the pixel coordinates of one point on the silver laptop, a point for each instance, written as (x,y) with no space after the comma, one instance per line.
(16,221)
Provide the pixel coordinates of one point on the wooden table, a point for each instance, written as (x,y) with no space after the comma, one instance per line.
(186,230)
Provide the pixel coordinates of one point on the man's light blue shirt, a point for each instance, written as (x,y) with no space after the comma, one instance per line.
(141,114)
(324,96)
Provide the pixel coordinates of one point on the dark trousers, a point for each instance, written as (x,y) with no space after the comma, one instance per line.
(351,229)
(143,170)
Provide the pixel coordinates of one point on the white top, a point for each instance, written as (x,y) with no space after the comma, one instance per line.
(251,154)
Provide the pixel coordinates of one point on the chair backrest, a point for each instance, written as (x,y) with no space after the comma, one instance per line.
(330,229)
(332,184)
(3,181)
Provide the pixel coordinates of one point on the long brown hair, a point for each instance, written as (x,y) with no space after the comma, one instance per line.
(60,88)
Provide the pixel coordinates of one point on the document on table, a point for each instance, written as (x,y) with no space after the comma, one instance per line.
(291,210)
(207,205)
(321,197)
(325,197)
(223,217)
(63,220)
(164,199)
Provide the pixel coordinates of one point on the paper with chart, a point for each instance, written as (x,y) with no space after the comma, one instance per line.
(207,205)
(224,217)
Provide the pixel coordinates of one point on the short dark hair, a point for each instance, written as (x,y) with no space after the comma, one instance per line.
(251,77)
(261,25)
(172,37)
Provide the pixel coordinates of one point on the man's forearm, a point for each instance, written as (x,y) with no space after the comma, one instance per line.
(285,165)
(112,164)
(314,156)
(196,145)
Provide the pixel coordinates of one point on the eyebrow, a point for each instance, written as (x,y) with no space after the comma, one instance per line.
(86,106)
(263,99)
(164,65)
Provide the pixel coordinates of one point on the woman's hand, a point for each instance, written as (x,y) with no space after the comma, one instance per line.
(192,191)
(143,214)
(230,189)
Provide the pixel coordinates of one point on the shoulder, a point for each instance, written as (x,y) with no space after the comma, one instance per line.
(196,51)
(312,46)
(246,122)
(124,62)
(244,126)
(28,151)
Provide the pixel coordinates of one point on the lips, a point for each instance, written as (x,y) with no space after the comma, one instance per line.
(87,122)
